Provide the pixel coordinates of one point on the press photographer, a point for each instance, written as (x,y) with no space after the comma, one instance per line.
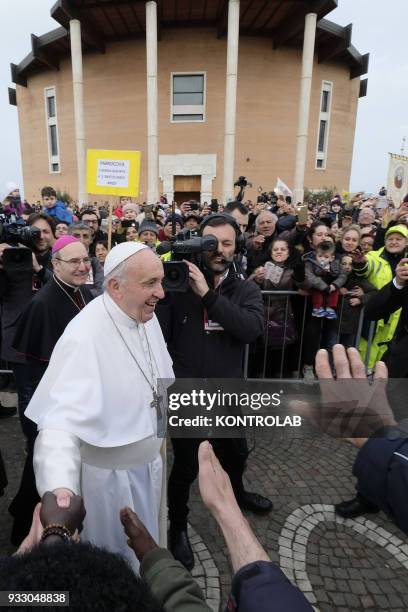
(25,259)
(206,329)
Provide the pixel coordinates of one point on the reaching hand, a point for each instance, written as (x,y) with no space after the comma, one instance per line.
(139,539)
(53,513)
(350,407)
(257,242)
(401,272)
(197,280)
(215,486)
(35,533)
(63,497)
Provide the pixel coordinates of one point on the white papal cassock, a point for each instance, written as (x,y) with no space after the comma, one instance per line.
(97,430)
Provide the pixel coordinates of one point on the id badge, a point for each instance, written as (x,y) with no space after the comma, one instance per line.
(209,325)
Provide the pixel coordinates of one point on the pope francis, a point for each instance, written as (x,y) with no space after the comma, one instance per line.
(99,402)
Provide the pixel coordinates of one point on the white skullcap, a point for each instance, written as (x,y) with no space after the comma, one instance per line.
(120,253)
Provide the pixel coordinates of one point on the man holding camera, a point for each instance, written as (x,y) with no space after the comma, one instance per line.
(206,330)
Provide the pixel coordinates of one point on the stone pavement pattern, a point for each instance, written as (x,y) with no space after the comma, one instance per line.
(341,565)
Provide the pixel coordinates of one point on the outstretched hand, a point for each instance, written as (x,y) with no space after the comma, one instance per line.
(139,539)
(215,485)
(351,408)
(71,517)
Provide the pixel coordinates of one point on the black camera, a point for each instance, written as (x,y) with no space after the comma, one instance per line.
(187,245)
(13,232)
(242,183)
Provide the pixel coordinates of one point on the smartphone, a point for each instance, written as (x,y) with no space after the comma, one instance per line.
(302,215)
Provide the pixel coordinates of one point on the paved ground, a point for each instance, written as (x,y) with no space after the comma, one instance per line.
(340,565)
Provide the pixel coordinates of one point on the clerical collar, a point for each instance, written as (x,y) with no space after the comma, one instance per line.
(119,315)
(67,286)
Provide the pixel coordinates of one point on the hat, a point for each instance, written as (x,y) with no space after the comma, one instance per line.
(63,242)
(130,206)
(148,226)
(121,253)
(177,218)
(398,229)
(7,189)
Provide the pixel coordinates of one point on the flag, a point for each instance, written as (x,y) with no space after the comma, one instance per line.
(282,188)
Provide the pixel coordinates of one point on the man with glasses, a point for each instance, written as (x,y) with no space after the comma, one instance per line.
(91,219)
(40,326)
(94,282)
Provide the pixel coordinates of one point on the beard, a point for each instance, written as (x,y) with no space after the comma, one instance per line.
(219,267)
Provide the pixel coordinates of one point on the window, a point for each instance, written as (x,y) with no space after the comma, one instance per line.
(52,130)
(187,97)
(324,123)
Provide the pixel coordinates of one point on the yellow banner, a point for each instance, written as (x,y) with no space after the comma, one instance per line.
(113,172)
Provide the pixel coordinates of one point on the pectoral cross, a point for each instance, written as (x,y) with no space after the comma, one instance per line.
(157,403)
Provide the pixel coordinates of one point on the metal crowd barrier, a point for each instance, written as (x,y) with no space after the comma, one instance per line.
(268,299)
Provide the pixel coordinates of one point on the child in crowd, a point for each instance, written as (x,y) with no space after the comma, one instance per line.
(324,278)
(53,207)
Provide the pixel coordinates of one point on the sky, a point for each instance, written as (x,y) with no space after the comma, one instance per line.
(382,121)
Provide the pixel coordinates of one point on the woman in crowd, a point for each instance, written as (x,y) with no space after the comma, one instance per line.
(131,233)
(61,229)
(379,268)
(349,241)
(101,251)
(317,331)
(276,352)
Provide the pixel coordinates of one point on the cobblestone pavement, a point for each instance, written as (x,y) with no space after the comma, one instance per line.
(340,565)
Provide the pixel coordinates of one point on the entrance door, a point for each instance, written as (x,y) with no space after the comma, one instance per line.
(187,188)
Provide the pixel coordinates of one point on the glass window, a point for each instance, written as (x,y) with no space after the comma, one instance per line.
(55,167)
(319,163)
(325,101)
(188,83)
(53,140)
(188,99)
(188,117)
(51,106)
(322,135)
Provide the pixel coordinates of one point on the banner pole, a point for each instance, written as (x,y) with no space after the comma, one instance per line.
(110,226)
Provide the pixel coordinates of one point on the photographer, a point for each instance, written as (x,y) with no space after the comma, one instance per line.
(206,330)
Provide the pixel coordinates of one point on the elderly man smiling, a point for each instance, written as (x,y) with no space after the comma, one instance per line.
(97,406)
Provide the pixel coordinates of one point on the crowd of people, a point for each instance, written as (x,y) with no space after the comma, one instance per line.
(79,332)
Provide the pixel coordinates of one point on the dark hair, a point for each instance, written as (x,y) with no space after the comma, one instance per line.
(48,192)
(88,211)
(231,206)
(293,257)
(326,247)
(103,243)
(313,228)
(37,216)
(95,578)
(220,219)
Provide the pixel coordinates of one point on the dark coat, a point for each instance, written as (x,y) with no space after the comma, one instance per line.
(381,469)
(349,316)
(256,258)
(16,290)
(381,306)
(321,279)
(236,305)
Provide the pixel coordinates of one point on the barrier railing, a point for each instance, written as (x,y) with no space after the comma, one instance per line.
(271,297)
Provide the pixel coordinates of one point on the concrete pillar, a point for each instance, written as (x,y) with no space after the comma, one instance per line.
(304,106)
(79,114)
(231,100)
(152,102)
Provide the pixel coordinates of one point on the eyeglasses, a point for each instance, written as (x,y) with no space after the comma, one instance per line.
(76,262)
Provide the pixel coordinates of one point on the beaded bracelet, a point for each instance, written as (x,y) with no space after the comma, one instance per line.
(56,529)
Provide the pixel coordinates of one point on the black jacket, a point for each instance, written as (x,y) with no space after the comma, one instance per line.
(236,305)
(380,306)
